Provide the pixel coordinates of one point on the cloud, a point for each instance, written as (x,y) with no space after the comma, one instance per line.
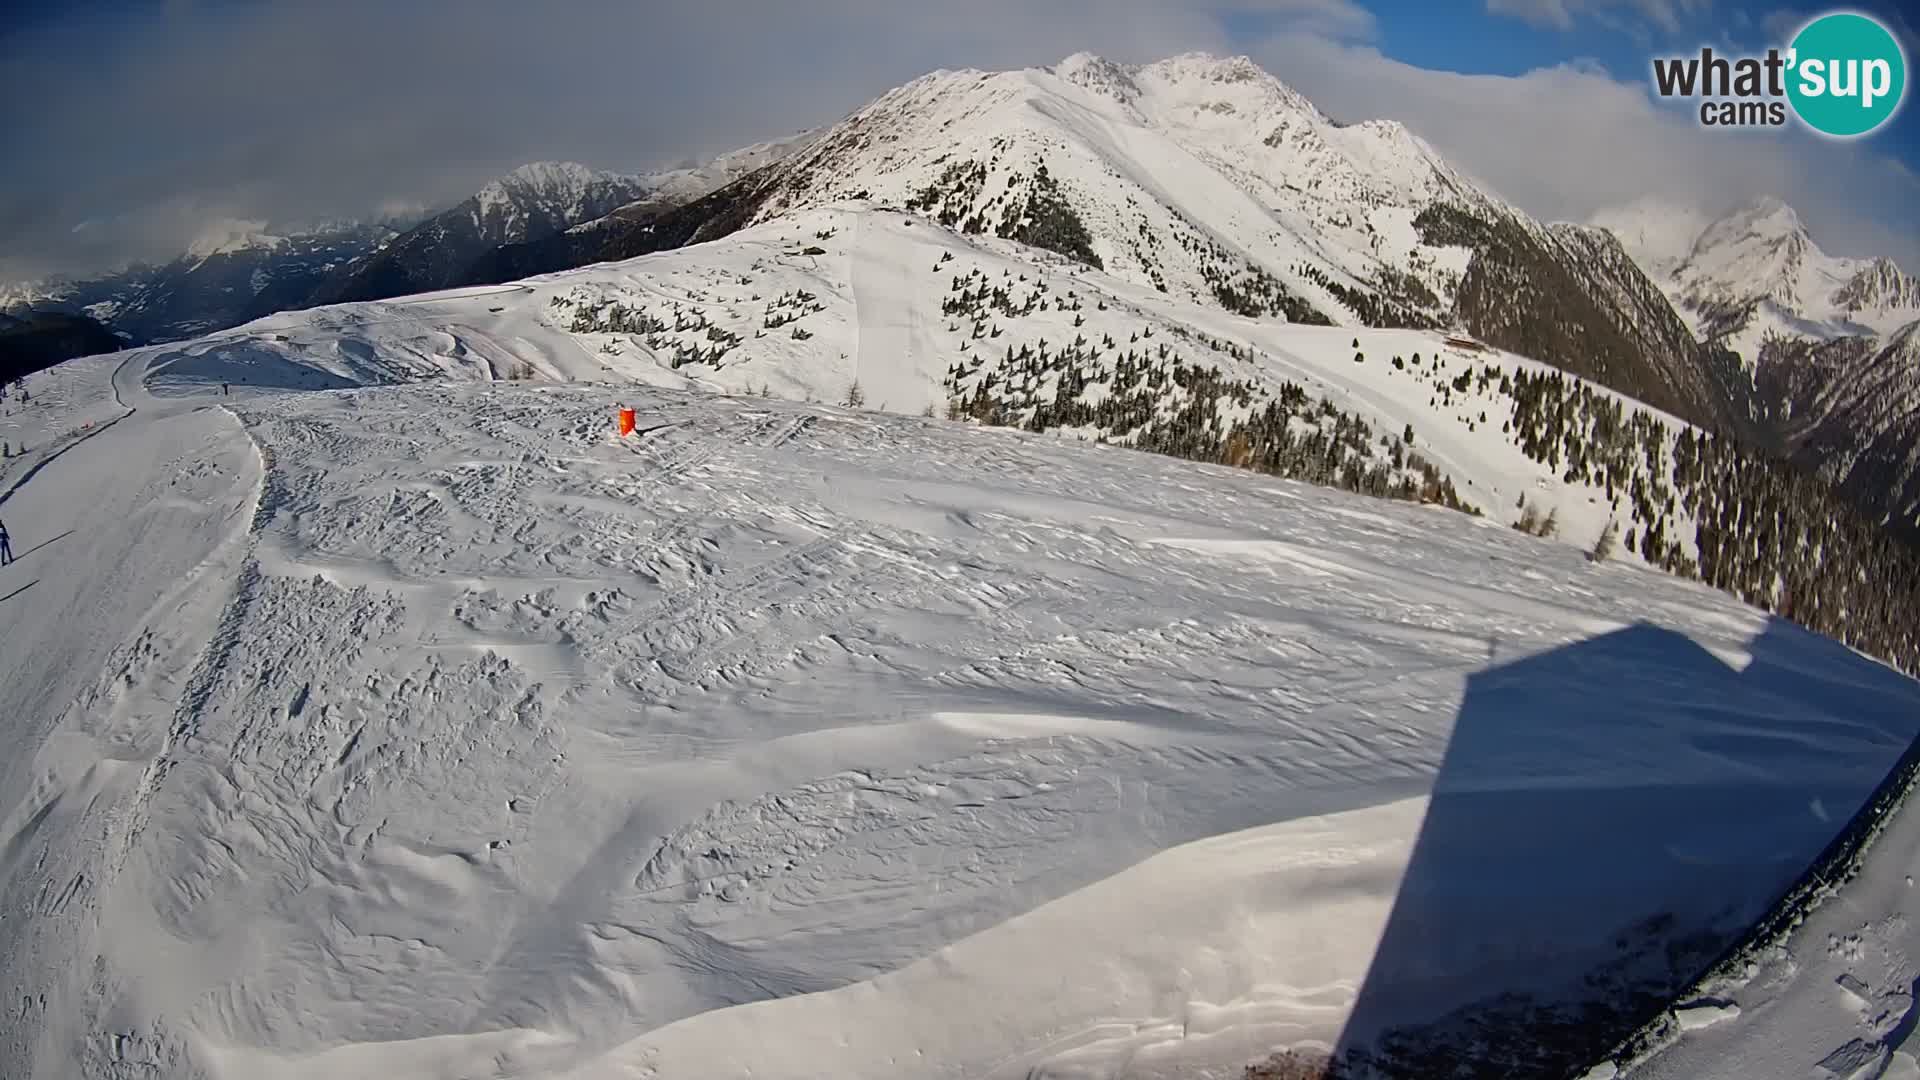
(150,127)
(1668,15)
(183,113)
(1782,24)
(1553,14)
(1567,141)
(1339,19)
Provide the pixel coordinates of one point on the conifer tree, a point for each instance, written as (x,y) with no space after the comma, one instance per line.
(1603,546)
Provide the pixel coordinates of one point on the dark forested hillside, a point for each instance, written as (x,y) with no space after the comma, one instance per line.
(1576,300)
(41,339)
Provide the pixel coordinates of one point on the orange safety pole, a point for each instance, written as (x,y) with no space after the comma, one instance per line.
(626,421)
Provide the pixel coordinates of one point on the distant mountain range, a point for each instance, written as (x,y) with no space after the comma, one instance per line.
(240,271)
(528,203)
(224,279)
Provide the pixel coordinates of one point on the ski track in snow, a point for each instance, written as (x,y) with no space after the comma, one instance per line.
(434,731)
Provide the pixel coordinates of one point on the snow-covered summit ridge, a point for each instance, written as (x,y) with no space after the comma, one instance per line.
(1190,174)
(230,235)
(558,183)
(1761,252)
(691,179)
(1099,75)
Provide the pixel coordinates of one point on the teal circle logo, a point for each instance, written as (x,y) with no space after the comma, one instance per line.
(1847,74)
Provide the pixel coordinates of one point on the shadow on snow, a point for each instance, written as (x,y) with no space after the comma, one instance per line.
(1609,817)
(241,365)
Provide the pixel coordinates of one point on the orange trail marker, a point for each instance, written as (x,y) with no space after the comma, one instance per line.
(626,421)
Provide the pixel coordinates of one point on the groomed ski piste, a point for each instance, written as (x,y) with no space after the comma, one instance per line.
(433,730)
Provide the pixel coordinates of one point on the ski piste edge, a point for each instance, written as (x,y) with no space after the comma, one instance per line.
(1837,865)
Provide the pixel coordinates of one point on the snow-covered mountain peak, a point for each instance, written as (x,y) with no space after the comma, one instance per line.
(547,179)
(544,196)
(20,295)
(1209,67)
(1831,343)
(1208,181)
(1099,75)
(1760,259)
(1766,213)
(231,235)
(1759,251)
(1225,89)
(1765,220)
(691,180)
(1193,87)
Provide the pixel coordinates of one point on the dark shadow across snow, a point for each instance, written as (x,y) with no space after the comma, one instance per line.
(243,366)
(22,554)
(1610,816)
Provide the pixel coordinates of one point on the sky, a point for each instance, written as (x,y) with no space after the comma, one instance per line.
(133,126)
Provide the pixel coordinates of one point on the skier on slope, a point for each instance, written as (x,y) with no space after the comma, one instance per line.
(6,545)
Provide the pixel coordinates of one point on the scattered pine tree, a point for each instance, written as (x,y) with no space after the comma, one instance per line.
(1603,546)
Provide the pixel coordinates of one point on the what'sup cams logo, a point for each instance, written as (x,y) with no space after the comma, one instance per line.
(1843,75)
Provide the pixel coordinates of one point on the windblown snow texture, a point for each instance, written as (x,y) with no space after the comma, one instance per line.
(432,730)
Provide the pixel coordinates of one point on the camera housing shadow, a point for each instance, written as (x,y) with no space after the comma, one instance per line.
(1609,818)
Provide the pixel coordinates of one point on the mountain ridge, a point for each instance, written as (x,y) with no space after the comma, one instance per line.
(1204,177)
(223,278)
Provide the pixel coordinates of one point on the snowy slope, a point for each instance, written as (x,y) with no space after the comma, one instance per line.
(1837,998)
(433,731)
(1214,183)
(46,411)
(808,306)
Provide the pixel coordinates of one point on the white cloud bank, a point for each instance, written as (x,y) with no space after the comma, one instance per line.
(279,111)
